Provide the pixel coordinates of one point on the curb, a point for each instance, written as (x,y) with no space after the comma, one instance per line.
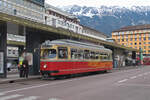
(7,81)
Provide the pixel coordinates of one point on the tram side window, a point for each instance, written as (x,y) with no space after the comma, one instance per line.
(49,54)
(97,55)
(92,55)
(80,54)
(86,54)
(104,56)
(62,53)
(73,53)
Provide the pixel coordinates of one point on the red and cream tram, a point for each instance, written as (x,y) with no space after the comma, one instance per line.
(66,57)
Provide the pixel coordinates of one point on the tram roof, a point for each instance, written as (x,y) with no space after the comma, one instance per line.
(76,44)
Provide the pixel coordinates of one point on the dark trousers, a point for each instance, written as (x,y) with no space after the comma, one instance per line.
(26,72)
(21,71)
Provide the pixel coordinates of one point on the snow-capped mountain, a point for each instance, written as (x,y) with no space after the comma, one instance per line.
(106,19)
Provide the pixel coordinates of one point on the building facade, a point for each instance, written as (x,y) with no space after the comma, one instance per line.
(134,36)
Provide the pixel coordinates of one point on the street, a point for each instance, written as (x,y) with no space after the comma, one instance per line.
(131,84)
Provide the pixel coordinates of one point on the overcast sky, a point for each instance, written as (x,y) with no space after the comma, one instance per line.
(97,3)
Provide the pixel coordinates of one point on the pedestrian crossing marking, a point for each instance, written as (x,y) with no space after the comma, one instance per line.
(10,97)
(30,98)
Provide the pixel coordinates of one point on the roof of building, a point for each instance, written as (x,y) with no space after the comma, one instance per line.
(131,28)
(95,30)
(57,10)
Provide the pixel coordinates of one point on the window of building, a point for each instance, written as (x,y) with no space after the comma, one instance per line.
(139,43)
(130,43)
(62,53)
(149,46)
(144,47)
(135,39)
(148,42)
(148,38)
(122,39)
(130,39)
(144,38)
(135,43)
(139,39)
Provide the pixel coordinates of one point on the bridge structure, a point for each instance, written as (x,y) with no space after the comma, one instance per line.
(36,33)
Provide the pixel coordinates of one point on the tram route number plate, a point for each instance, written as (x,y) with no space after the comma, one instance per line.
(1,62)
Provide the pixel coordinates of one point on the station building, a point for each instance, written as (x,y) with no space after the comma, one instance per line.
(134,36)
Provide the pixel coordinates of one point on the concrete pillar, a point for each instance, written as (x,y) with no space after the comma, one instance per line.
(33,46)
(133,54)
(3,48)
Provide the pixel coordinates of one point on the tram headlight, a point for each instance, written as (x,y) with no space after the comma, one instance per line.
(45,66)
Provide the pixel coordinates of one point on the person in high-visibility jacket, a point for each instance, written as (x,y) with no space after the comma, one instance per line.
(20,67)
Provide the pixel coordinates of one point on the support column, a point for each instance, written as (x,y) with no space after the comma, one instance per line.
(133,54)
(3,49)
(33,46)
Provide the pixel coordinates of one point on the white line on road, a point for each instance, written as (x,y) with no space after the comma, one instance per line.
(122,81)
(1,94)
(10,97)
(30,98)
(54,99)
(146,73)
(140,75)
(133,77)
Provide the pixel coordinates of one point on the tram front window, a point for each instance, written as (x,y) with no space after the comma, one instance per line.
(49,54)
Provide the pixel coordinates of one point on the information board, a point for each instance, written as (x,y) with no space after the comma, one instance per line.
(1,62)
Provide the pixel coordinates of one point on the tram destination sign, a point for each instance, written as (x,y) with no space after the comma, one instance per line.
(39,2)
(1,62)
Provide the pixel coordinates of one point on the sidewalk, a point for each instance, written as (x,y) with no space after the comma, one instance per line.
(11,78)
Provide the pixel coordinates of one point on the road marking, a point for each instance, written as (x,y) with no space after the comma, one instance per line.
(140,75)
(146,73)
(122,81)
(1,94)
(54,99)
(10,97)
(30,98)
(133,77)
